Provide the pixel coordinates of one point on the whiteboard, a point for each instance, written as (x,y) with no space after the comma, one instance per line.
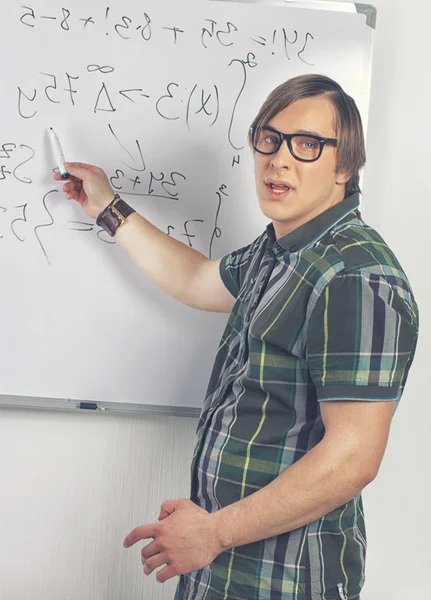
(161,96)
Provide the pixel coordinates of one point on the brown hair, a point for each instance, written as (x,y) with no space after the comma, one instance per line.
(348,125)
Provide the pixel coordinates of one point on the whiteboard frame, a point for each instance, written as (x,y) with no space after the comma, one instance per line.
(369,10)
(71,405)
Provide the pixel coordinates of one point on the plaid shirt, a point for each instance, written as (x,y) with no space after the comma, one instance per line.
(324,313)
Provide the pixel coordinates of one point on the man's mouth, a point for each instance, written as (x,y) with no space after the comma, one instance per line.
(278,188)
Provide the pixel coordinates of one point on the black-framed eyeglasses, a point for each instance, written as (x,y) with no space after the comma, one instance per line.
(303,147)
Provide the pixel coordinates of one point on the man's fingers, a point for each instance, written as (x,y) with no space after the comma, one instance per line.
(73,196)
(80,170)
(73,189)
(72,185)
(139,533)
(168,507)
(72,179)
(167,573)
(78,165)
(155,561)
(149,550)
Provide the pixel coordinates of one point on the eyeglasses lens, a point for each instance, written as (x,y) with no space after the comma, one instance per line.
(304,147)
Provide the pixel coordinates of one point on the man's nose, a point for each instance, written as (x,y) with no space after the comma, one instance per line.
(283,158)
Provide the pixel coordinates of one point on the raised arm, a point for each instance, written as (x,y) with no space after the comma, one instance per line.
(177,269)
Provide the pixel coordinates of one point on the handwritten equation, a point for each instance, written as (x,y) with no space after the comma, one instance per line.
(57,89)
(198,107)
(174,101)
(142,27)
(128,179)
(186,98)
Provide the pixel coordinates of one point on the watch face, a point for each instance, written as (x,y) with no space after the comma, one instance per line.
(114,215)
(108,220)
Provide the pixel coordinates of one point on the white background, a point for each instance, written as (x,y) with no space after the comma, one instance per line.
(72,485)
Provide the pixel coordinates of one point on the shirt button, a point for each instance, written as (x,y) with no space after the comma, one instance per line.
(293,248)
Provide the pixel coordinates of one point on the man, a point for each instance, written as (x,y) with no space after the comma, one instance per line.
(310,370)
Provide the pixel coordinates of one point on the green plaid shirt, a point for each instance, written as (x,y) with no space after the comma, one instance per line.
(324,313)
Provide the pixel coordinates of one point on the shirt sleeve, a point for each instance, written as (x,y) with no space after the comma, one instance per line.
(233,268)
(361,339)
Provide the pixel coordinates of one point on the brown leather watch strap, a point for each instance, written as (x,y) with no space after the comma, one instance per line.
(114,215)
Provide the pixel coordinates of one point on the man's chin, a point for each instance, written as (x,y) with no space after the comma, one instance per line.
(276,212)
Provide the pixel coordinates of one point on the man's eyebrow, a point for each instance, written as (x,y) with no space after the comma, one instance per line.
(300,131)
(307,131)
(304,131)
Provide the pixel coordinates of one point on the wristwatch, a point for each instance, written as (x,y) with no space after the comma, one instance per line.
(114,215)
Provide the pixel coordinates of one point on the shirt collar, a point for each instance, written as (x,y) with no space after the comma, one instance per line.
(316,228)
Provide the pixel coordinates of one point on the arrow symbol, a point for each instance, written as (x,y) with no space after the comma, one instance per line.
(125,92)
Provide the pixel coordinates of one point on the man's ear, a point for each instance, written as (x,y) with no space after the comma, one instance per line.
(342,177)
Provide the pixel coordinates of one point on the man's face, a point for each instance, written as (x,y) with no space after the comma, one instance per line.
(312,187)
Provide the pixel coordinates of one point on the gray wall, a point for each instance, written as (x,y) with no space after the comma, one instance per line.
(72,486)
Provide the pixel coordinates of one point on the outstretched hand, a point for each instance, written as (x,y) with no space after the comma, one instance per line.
(88,185)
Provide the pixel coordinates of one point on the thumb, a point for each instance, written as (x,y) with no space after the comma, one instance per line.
(167,508)
(79,170)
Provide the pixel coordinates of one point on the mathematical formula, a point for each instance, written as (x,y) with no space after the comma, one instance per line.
(141,26)
(100,91)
